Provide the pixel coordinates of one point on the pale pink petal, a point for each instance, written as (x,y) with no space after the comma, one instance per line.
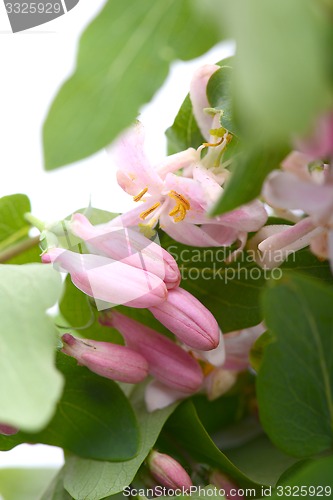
(320,143)
(319,245)
(285,190)
(198,95)
(330,248)
(297,163)
(158,396)
(190,189)
(238,345)
(111,282)
(177,161)
(135,172)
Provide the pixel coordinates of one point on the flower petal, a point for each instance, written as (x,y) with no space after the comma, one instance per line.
(158,396)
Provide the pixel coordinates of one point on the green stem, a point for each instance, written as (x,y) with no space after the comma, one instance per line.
(16,250)
(33,221)
(13,238)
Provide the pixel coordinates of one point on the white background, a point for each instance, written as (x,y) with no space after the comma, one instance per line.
(33,66)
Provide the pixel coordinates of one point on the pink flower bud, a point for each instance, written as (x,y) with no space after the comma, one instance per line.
(128,246)
(188,319)
(223,482)
(8,430)
(168,472)
(168,362)
(107,280)
(111,361)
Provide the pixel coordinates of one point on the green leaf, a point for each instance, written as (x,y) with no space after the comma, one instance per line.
(56,490)
(14,230)
(313,480)
(184,132)
(260,460)
(219,92)
(95,480)
(281,81)
(30,386)
(189,433)
(93,419)
(251,168)
(124,57)
(295,380)
(25,484)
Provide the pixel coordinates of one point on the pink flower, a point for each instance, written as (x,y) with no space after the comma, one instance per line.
(188,319)
(299,187)
(167,362)
(179,203)
(223,482)
(168,472)
(128,246)
(111,361)
(109,281)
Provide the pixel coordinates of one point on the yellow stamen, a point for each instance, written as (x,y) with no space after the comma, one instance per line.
(140,195)
(213,144)
(207,368)
(145,214)
(181,207)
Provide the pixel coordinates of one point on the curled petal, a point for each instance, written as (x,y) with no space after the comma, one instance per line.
(159,396)
(198,95)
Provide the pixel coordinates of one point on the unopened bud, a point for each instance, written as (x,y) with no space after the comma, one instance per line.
(188,319)
(168,472)
(111,361)
(223,482)
(8,430)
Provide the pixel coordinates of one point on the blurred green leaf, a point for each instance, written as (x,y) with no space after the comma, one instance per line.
(124,57)
(29,384)
(295,379)
(251,168)
(281,76)
(14,229)
(25,484)
(312,480)
(93,418)
(260,460)
(94,479)
(56,490)
(189,434)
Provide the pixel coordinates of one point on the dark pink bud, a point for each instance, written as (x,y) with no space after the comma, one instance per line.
(188,319)
(111,361)
(167,361)
(168,472)
(8,430)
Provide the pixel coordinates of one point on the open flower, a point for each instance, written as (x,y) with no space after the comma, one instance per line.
(179,203)
(305,187)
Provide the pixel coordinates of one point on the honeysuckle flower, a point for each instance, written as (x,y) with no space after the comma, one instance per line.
(111,361)
(223,482)
(179,203)
(128,246)
(109,281)
(167,362)
(308,188)
(188,319)
(8,430)
(168,472)
(238,345)
(218,382)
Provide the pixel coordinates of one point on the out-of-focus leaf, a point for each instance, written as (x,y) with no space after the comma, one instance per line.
(123,58)
(93,419)
(189,433)
(95,479)
(56,490)
(14,229)
(25,484)
(219,94)
(281,76)
(30,386)
(295,380)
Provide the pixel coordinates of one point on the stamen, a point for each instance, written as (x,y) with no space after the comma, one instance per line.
(181,207)
(145,214)
(140,195)
(213,144)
